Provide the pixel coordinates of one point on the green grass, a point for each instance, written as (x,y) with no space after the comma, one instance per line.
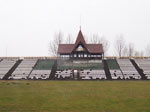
(74,96)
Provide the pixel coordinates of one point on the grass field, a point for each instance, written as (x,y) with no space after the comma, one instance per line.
(74,96)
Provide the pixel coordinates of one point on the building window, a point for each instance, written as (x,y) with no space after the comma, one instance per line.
(80,48)
(75,55)
(99,56)
(85,55)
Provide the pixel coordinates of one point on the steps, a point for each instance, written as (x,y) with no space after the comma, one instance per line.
(138,69)
(106,69)
(32,69)
(76,76)
(119,68)
(53,71)
(12,70)
(1,60)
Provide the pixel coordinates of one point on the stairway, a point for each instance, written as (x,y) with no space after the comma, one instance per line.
(12,70)
(138,69)
(32,69)
(76,76)
(53,71)
(106,69)
(1,60)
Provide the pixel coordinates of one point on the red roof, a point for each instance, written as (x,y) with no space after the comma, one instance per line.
(95,48)
(65,48)
(80,38)
(68,48)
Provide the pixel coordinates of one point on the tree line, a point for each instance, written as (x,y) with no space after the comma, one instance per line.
(121,47)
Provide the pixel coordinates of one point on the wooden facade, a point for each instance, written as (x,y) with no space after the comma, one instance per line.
(81,50)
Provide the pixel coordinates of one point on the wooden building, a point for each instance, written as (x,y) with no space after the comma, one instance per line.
(80,49)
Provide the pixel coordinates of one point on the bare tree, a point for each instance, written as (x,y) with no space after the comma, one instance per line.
(105,44)
(131,50)
(58,39)
(69,39)
(139,54)
(96,39)
(128,50)
(148,50)
(119,45)
(125,51)
(86,38)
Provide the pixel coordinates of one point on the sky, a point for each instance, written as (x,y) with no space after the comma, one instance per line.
(28,26)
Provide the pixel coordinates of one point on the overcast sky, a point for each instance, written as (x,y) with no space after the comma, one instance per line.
(27,26)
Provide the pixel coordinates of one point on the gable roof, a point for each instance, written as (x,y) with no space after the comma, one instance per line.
(95,48)
(79,39)
(65,48)
(68,48)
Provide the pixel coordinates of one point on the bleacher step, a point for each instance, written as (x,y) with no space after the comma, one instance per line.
(53,71)
(138,69)
(106,69)
(12,70)
(1,60)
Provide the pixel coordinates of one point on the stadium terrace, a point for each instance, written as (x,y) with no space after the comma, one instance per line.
(78,61)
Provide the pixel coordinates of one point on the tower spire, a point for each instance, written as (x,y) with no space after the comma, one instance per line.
(80,21)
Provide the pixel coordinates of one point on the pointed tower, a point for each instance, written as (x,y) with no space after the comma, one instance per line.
(80,40)
(80,49)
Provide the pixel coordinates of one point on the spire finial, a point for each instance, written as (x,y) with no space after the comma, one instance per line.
(80,21)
